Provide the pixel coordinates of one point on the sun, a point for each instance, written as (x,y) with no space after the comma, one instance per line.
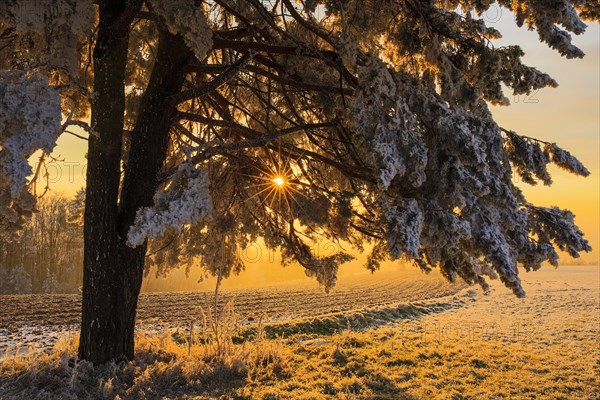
(275,181)
(279,181)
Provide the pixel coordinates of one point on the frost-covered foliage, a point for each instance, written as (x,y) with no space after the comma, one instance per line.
(547,17)
(413,165)
(372,117)
(405,219)
(48,32)
(185,18)
(380,115)
(553,225)
(528,158)
(565,160)
(29,121)
(185,201)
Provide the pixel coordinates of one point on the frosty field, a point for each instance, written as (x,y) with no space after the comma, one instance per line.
(39,320)
(403,339)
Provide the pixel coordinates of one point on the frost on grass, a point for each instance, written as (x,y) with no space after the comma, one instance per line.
(166,366)
(501,342)
(29,121)
(185,201)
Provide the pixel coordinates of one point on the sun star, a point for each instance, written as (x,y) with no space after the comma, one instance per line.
(275,182)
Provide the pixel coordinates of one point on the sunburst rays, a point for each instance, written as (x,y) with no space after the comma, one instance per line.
(275,181)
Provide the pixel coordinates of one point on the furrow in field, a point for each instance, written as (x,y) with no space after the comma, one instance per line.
(37,318)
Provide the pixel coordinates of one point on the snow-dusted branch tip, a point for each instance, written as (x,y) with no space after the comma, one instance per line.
(186,201)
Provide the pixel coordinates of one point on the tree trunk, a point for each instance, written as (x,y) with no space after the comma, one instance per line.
(103,329)
(148,150)
(113,271)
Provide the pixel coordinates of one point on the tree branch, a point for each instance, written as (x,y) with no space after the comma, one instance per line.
(299,84)
(219,147)
(220,80)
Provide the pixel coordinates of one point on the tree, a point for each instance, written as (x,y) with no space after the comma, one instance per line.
(215,123)
(48,249)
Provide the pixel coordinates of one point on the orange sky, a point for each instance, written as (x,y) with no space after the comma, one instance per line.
(568,115)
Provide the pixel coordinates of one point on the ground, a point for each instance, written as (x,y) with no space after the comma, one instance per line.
(468,345)
(38,321)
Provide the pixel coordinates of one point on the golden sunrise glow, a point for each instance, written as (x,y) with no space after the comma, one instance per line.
(275,182)
(567,115)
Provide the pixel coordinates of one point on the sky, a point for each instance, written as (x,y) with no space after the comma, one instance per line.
(568,115)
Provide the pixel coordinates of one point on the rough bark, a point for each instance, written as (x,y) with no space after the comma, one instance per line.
(149,143)
(99,340)
(112,271)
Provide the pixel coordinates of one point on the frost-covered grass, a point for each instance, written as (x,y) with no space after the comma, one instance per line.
(169,365)
(378,364)
(374,364)
(39,320)
(478,347)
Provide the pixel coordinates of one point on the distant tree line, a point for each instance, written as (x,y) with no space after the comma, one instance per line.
(47,256)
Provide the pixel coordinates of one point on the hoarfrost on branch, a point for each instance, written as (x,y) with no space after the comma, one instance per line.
(186,201)
(30,117)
